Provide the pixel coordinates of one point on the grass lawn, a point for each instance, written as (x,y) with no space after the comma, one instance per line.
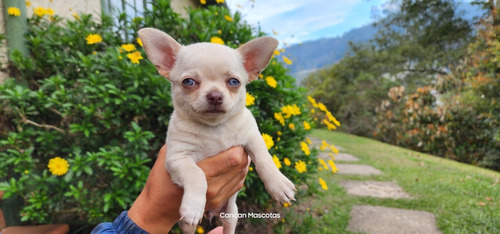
(464,199)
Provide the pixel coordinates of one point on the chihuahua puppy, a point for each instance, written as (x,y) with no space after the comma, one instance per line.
(210,116)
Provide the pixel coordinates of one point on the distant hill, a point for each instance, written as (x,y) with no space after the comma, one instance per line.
(312,55)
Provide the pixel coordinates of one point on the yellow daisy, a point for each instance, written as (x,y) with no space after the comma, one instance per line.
(58,166)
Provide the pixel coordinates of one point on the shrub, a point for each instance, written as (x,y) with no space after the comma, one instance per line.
(87,96)
(465,125)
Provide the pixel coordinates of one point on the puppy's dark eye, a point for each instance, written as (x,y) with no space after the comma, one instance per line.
(233,82)
(188,82)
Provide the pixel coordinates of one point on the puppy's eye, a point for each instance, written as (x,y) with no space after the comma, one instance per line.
(188,82)
(233,82)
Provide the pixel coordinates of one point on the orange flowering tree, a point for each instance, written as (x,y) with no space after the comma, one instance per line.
(83,117)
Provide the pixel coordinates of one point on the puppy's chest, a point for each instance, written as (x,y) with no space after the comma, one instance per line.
(214,141)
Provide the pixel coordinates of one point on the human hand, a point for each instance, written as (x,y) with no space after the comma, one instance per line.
(156,209)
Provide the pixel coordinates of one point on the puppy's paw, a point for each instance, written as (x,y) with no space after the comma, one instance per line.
(192,210)
(281,189)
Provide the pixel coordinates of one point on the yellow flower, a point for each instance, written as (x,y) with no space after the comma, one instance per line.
(291,126)
(287,161)
(261,76)
(26,172)
(93,39)
(250,100)
(135,57)
(286,204)
(13,11)
(323,145)
(40,11)
(28,3)
(276,52)
(76,16)
(128,47)
(335,150)
(329,125)
(49,11)
(271,81)
(301,166)
(312,101)
(323,184)
(219,1)
(321,106)
(279,116)
(305,148)
(279,133)
(276,161)
(332,118)
(58,166)
(287,61)
(322,162)
(332,165)
(217,40)
(139,41)
(228,18)
(290,110)
(200,230)
(331,156)
(308,141)
(203,2)
(269,140)
(250,168)
(307,126)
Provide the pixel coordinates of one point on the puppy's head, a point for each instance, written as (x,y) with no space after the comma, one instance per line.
(208,80)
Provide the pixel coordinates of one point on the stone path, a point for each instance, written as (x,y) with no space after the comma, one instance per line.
(377,219)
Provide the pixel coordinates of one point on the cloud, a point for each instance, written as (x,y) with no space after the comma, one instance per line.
(294,20)
(299,20)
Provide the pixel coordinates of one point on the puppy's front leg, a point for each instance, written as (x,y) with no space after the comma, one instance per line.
(280,187)
(184,172)
(231,215)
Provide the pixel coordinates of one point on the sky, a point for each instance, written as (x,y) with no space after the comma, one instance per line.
(297,21)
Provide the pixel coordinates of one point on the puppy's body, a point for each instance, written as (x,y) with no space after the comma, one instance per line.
(208,91)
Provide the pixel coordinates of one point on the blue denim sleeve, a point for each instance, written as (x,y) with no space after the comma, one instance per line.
(122,224)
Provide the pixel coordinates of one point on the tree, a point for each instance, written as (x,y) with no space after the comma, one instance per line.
(414,44)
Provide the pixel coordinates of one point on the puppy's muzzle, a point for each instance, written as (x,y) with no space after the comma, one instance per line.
(215,98)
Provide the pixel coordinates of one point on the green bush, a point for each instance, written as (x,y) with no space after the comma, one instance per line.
(104,110)
(465,125)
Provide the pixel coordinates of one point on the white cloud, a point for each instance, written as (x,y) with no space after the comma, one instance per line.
(300,20)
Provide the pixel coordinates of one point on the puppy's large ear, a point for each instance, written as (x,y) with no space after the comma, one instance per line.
(256,55)
(160,48)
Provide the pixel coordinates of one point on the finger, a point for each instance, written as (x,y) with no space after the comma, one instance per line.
(220,190)
(228,161)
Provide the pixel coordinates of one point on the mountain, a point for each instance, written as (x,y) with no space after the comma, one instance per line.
(312,55)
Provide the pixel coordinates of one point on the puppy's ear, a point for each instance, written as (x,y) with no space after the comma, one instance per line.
(160,48)
(256,55)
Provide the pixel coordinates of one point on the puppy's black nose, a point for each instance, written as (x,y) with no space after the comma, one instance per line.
(215,98)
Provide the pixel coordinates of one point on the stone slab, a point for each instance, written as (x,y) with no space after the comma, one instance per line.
(378,220)
(374,189)
(357,169)
(338,157)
